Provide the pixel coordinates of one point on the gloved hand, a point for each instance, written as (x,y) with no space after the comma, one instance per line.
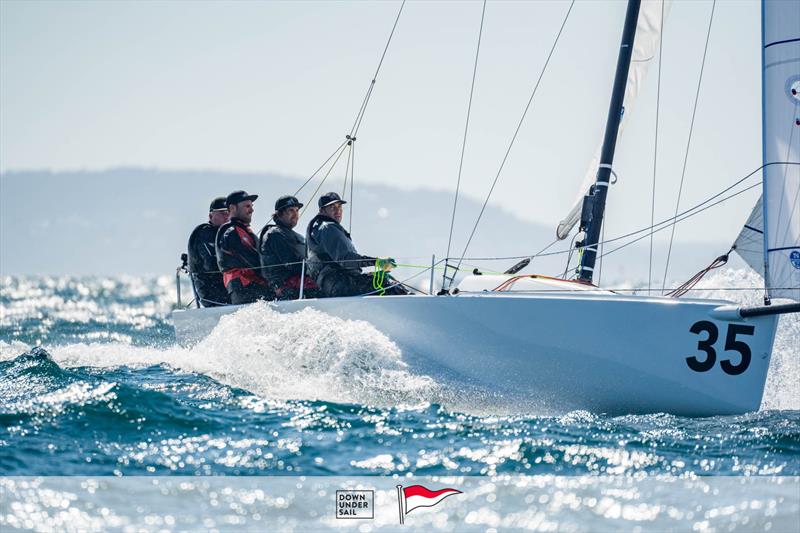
(388,263)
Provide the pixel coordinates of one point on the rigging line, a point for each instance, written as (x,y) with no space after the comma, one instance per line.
(363,109)
(668,222)
(352,184)
(697,206)
(601,243)
(689,140)
(664,223)
(347,171)
(542,251)
(571,249)
(655,148)
(586,289)
(333,165)
(516,132)
(320,168)
(682,218)
(421,272)
(466,130)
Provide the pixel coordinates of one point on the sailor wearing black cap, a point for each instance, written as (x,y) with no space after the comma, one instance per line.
(203,270)
(283,250)
(333,259)
(237,252)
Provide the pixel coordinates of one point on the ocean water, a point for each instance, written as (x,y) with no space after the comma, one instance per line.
(92,383)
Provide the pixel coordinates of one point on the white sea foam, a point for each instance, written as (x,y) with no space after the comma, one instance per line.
(307,355)
(310,355)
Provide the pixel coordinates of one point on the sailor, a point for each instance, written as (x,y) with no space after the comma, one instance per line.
(332,258)
(283,251)
(237,252)
(203,270)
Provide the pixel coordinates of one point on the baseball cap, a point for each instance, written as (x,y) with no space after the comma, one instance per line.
(239,196)
(330,198)
(218,204)
(287,201)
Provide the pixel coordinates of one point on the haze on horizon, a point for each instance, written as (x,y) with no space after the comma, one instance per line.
(273,87)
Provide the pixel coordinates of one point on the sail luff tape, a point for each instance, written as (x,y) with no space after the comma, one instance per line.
(610,169)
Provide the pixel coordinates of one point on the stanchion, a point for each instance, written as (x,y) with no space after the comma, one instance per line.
(302,279)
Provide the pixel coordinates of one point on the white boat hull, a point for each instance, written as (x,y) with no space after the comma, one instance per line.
(551,353)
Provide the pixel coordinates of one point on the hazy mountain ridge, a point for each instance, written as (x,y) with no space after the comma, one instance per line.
(137,221)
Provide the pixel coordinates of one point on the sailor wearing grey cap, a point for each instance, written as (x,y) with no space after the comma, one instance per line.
(283,251)
(203,271)
(237,252)
(333,259)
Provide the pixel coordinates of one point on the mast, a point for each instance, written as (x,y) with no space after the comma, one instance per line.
(594,203)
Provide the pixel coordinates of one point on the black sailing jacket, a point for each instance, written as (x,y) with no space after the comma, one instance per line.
(282,251)
(203,267)
(331,250)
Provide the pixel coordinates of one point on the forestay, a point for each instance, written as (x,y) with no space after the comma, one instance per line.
(645,50)
(777,213)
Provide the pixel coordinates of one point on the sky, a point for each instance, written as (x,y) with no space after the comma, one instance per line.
(273,87)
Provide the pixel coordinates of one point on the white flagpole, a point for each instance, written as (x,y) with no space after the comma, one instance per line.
(400,503)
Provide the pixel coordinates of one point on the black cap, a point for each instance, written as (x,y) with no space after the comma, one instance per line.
(218,204)
(330,198)
(239,196)
(287,201)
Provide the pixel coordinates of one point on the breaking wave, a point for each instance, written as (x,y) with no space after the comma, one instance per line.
(307,355)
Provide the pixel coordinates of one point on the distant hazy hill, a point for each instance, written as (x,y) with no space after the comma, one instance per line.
(136,221)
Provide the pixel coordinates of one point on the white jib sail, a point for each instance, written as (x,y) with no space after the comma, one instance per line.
(750,242)
(645,52)
(781,130)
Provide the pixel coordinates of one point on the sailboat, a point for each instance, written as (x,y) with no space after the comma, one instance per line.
(532,343)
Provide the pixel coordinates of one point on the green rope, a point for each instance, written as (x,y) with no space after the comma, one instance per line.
(378,276)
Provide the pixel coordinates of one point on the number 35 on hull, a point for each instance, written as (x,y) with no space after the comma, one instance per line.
(736,356)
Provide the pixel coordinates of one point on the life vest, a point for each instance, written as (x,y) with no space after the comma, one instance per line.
(237,254)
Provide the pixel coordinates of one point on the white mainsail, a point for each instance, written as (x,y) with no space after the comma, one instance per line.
(780,214)
(645,51)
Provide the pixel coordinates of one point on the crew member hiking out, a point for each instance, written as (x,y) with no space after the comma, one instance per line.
(203,270)
(283,251)
(237,252)
(332,258)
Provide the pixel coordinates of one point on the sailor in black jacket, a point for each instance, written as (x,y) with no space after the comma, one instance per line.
(237,253)
(333,259)
(203,270)
(283,251)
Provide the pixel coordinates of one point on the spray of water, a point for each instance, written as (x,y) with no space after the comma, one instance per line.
(307,355)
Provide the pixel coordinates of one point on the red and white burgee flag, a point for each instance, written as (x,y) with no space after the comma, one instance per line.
(409,498)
